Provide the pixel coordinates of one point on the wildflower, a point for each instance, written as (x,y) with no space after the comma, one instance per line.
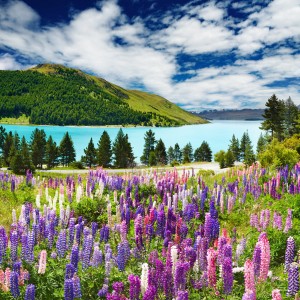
(42,262)
(76,286)
(276,295)
(211,267)
(227,275)
(69,290)
(289,253)
(144,277)
(30,292)
(135,287)
(293,279)
(249,276)
(14,245)
(14,284)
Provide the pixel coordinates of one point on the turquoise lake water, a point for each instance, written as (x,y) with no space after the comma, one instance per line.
(216,133)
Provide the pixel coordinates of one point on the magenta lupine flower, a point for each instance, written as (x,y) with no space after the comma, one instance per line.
(276,295)
(293,279)
(160,268)
(153,256)
(227,275)
(211,266)
(254,221)
(123,231)
(138,230)
(289,253)
(221,243)
(118,287)
(135,287)
(288,221)
(208,226)
(249,276)
(180,275)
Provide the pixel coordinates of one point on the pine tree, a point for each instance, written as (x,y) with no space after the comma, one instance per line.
(122,151)
(235,148)
(170,155)
(177,153)
(52,153)
(160,152)
(148,146)
(16,162)
(90,154)
(38,147)
(274,117)
(8,143)
(262,143)
(104,151)
(187,153)
(3,135)
(66,150)
(26,157)
(290,117)
(245,140)
(203,153)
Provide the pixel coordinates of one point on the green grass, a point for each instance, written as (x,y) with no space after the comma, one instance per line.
(23,120)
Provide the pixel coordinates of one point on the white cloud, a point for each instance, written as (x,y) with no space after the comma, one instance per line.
(8,62)
(149,58)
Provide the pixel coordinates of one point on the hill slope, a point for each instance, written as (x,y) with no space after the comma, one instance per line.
(54,94)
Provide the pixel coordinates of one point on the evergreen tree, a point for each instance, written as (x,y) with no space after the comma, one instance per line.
(229,159)
(16,162)
(274,117)
(122,151)
(220,157)
(249,158)
(262,143)
(66,150)
(245,140)
(235,148)
(187,153)
(203,153)
(52,153)
(26,157)
(160,152)
(148,146)
(104,152)
(38,147)
(17,141)
(290,117)
(90,154)
(8,143)
(152,159)
(3,135)
(170,155)
(177,153)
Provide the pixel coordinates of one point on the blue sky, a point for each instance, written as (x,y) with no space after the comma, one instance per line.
(198,54)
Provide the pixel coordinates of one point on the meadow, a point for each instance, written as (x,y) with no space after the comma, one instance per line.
(173,235)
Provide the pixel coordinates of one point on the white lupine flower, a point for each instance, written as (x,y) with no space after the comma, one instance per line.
(144,277)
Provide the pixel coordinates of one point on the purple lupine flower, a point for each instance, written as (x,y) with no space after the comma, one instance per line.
(249,295)
(182,295)
(118,287)
(240,249)
(87,251)
(138,229)
(78,233)
(24,246)
(30,247)
(293,279)
(104,234)
(75,256)
(180,275)
(183,231)
(153,256)
(135,287)
(70,270)
(14,246)
(208,226)
(14,284)
(121,259)
(202,250)
(103,291)
(190,256)
(257,260)
(76,286)
(69,289)
(97,257)
(221,244)
(50,227)
(288,221)
(71,231)
(160,268)
(227,275)
(150,293)
(3,243)
(61,244)
(289,253)
(161,220)
(30,292)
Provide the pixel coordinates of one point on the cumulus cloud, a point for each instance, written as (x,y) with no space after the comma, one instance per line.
(130,52)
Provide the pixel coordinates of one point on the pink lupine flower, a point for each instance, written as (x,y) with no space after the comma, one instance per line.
(42,262)
(276,295)
(265,256)
(249,276)
(211,266)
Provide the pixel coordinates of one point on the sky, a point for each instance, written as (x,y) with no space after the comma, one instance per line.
(198,54)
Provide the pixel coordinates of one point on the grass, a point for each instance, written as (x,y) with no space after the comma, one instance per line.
(22,120)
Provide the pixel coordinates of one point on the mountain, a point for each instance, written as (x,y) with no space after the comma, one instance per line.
(232,114)
(58,95)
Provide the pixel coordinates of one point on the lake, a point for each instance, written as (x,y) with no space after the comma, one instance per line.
(217,134)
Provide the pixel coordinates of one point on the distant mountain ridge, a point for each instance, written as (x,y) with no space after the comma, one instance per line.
(232,114)
(57,95)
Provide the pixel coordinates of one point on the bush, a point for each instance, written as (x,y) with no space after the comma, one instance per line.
(77,165)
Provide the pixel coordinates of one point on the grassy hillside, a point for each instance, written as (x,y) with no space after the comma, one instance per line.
(54,94)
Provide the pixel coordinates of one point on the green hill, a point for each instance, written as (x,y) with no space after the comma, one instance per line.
(57,95)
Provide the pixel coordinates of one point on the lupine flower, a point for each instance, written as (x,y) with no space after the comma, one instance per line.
(3,243)
(97,257)
(138,229)
(249,295)
(70,270)
(227,275)
(76,286)
(14,284)
(30,292)
(14,245)
(144,277)
(150,293)
(42,262)
(256,260)
(87,250)
(174,257)
(135,287)
(249,276)
(289,253)
(69,289)
(293,279)
(71,231)
(265,256)
(276,295)
(180,275)
(103,291)
(211,267)
(75,256)
(182,295)
(288,221)
(61,245)
(121,259)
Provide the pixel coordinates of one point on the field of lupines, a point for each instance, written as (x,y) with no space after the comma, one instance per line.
(152,236)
